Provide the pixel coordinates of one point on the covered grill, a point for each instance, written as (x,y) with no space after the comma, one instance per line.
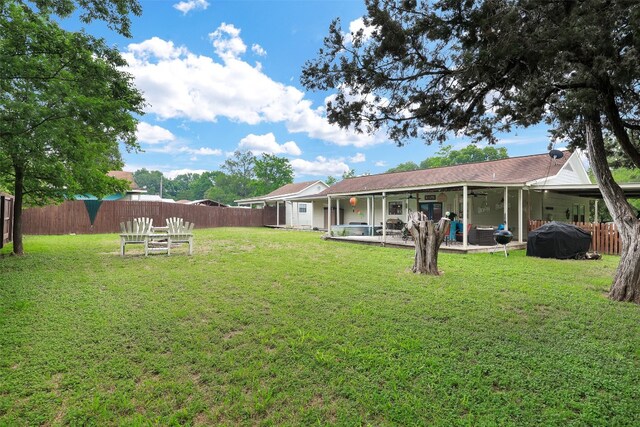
(558,240)
(503,237)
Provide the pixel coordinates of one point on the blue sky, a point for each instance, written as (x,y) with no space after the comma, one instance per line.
(225,75)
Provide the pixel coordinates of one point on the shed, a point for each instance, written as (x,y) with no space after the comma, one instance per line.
(558,240)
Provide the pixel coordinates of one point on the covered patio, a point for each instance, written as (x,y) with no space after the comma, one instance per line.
(479,198)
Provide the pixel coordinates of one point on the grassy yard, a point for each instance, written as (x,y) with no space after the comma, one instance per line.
(264,327)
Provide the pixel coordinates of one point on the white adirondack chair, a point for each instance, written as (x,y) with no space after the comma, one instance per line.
(180,231)
(136,231)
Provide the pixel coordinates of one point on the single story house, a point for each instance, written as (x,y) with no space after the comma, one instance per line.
(297,212)
(507,192)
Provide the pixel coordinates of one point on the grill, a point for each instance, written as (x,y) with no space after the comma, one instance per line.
(503,237)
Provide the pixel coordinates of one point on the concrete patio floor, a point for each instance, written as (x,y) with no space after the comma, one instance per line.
(452,247)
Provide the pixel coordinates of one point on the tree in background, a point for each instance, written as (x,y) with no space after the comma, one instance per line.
(271,172)
(181,187)
(351,173)
(330,180)
(404,167)
(115,13)
(474,68)
(201,183)
(65,107)
(148,180)
(240,174)
(447,156)
(243,176)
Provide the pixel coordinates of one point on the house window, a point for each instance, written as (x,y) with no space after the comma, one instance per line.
(395,208)
(302,208)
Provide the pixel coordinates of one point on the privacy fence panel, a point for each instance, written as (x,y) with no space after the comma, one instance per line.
(605,238)
(85,217)
(6,219)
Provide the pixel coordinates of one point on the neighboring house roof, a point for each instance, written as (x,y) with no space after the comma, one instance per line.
(514,170)
(202,202)
(287,190)
(127,176)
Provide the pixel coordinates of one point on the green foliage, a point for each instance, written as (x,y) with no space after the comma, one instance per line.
(349,174)
(331,180)
(403,167)
(447,156)
(245,332)
(272,172)
(244,176)
(66,106)
(148,180)
(621,176)
(65,103)
(240,174)
(116,13)
(474,68)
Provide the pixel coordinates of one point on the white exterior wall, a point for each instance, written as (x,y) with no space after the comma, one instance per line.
(295,218)
(548,206)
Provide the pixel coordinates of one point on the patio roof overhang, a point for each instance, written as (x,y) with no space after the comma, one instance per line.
(588,190)
(453,186)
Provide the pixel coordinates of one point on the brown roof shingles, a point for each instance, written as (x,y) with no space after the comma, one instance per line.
(127,176)
(514,170)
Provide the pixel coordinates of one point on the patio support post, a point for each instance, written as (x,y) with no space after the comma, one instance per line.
(277,213)
(465,217)
(506,208)
(595,212)
(373,210)
(337,211)
(368,210)
(384,218)
(520,213)
(291,204)
(329,214)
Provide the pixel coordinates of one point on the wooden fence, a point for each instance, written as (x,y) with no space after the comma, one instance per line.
(76,216)
(605,238)
(6,219)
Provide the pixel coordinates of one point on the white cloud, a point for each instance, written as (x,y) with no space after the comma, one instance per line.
(178,84)
(258,50)
(205,151)
(189,5)
(227,42)
(358,158)
(357,25)
(267,143)
(320,167)
(156,48)
(381,163)
(175,172)
(152,134)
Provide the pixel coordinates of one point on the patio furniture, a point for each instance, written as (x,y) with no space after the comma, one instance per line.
(179,231)
(482,236)
(135,232)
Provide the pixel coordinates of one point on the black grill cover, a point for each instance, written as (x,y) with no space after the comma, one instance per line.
(558,240)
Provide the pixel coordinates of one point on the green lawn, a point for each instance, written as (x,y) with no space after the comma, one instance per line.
(265,327)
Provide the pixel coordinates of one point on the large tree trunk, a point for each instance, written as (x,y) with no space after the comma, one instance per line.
(626,284)
(428,237)
(17,211)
